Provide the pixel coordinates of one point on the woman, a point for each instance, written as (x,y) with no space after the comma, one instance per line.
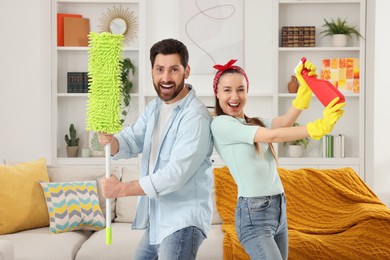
(245,145)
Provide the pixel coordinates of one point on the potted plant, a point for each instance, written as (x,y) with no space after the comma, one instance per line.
(127,66)
(72,141)
(340,30)
(295,148)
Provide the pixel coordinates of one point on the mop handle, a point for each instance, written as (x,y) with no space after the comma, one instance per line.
(108,204)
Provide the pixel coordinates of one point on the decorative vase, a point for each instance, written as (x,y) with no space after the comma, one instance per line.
(339,40)
(72,151)
(293,85)
(295,151)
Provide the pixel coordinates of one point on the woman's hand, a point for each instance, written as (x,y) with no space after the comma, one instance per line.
(323,126)
(303,98)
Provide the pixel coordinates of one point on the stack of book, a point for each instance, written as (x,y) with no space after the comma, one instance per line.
(77,82)
(298,36)
(333,146)
(72,30)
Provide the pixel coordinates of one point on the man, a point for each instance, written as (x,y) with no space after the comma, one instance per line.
(173,134)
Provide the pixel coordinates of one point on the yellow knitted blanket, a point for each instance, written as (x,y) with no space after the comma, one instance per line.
(331,214)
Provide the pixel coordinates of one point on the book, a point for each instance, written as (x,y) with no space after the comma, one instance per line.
(324,146)
(76,82)
(70,82)
(85,82)
(329,146)
(76,31)
(333,146)
(339,146)
(60,26)
(298,36)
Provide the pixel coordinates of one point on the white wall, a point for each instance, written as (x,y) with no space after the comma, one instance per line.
(381,95)
(25,117)
(25,92)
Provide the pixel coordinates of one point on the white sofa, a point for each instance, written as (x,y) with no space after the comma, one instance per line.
(40,244)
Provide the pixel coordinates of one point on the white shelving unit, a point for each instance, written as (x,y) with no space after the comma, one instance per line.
(268,65)
(70,108)
(352,124)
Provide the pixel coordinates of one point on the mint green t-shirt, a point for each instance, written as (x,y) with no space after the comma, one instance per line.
(255,174)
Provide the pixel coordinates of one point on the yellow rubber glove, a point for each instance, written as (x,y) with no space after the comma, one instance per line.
(323,126)
(303,98)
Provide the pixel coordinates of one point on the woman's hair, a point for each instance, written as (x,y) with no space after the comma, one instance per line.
(249,120)
(169,46)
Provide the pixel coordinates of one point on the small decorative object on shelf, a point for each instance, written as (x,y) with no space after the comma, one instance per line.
(72,141)
(293,85)
(295,148)
(298,36)
(85,152)
(339,30)
(96,149)
(343,73)
(120,21)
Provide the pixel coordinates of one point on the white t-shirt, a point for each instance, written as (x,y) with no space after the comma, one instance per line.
(163,119)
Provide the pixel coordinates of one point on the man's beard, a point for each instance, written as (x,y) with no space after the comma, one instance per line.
(177,90)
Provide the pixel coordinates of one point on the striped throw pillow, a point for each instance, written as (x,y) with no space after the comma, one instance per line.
(73,206)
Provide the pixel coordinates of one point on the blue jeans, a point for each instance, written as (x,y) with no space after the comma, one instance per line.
(261,225)
(181,245)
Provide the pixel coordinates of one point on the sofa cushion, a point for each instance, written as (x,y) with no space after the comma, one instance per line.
(211,248)
(22,201)
(124,244)
(73,206)
(40,244)
(84,173)
(126,206)
(6,250)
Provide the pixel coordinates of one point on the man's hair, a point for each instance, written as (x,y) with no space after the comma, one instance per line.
(169,46)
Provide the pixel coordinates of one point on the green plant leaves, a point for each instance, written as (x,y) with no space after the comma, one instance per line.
(339,27)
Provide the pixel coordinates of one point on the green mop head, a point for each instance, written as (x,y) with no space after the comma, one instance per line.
(104,67)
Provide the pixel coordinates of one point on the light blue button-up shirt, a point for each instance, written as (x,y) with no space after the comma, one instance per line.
(179,190)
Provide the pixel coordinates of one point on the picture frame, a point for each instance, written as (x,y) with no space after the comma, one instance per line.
(97,150)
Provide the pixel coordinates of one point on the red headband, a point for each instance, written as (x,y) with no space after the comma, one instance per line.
(227,66)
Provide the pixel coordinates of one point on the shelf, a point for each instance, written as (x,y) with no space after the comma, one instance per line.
(352,124)
(70,48)
(312,49)
(318,160)
(305,2)
(84,95)
(72,107)
(293,95)
(98,1)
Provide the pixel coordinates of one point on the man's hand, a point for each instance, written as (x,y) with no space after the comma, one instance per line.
(105,138)
(110,186)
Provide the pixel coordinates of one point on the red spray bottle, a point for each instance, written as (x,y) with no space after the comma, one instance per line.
(323,89)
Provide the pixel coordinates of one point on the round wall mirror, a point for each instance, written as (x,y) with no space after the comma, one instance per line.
(118,20)
(118,26)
